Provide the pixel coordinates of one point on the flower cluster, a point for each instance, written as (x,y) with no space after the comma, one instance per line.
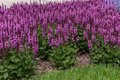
(116,3)
(18,24)
(60,34)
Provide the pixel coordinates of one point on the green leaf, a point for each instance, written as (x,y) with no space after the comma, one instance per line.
(5,75)
(1,67)
(12,66)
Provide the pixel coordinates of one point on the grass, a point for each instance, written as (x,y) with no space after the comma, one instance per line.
(93,72)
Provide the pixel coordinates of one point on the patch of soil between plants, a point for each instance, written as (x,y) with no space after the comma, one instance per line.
(82,60)
(46,66)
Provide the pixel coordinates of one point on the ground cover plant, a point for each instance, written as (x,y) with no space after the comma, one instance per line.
(47,28)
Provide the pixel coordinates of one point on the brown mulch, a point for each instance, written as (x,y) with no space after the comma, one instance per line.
(83,59)
(46,66)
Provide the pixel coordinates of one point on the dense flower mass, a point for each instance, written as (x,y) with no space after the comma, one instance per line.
(18,24)
(115,2)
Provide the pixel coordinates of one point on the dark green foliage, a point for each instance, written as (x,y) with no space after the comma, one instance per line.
(82,43)
(102,53)
(17,65)
(64,56)
(43,45)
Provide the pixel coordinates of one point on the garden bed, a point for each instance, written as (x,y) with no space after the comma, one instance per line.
(58,36)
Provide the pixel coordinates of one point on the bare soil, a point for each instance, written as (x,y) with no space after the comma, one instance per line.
(46,66)
(83,59)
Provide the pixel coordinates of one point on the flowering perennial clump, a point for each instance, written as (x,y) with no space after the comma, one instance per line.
(58,21)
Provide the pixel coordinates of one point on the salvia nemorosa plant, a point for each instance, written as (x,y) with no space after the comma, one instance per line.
(19,23)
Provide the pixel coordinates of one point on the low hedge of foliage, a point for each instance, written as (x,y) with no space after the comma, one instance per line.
(17,65)
(63,57)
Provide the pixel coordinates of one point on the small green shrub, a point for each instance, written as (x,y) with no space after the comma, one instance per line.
(17,65)
(64,56)
(102,53)
(82,43)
